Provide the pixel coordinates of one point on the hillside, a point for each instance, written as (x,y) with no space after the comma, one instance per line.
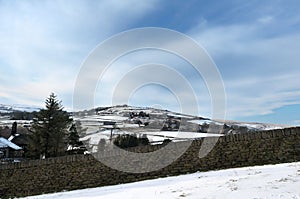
(157,124)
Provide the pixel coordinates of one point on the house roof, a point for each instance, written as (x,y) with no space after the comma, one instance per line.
(4,143)
(20,140)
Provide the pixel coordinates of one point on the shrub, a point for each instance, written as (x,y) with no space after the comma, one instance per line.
(126,140)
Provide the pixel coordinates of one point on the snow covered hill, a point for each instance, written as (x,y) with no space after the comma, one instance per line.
(17,107)
(158,125)
(259,182)
(122,112)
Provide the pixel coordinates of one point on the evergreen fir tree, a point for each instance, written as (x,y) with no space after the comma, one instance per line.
(49,130)
(73,138)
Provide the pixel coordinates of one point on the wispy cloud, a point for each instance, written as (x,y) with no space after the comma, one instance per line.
(43,43)
(260,73)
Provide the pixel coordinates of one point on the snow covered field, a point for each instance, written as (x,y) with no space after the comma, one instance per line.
(270,181)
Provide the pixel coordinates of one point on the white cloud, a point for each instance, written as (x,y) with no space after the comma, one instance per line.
(260,73)
(43,43)
(265,19)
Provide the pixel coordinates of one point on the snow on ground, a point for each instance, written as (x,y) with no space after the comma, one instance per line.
(112,117)
(104,118)
(264,127)
(180,115)
(250,125)
(255,125)
(260,182)
(182,134)
(155,136)
(7,122)
(200,122)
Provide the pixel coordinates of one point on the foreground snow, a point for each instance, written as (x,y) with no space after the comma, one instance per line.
(270,181)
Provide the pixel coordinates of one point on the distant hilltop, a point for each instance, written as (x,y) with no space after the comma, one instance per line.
(128,114)
(17,107)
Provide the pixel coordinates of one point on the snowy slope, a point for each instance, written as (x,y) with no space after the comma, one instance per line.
(156,124)
(126,117)
(124,110)
(257,125)
(270,181)
(17,107)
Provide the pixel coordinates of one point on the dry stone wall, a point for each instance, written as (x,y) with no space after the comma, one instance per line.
(84,171)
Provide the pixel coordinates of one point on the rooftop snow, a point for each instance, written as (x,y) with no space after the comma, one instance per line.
(4,143)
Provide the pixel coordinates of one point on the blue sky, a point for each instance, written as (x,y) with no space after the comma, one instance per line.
(254,44)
